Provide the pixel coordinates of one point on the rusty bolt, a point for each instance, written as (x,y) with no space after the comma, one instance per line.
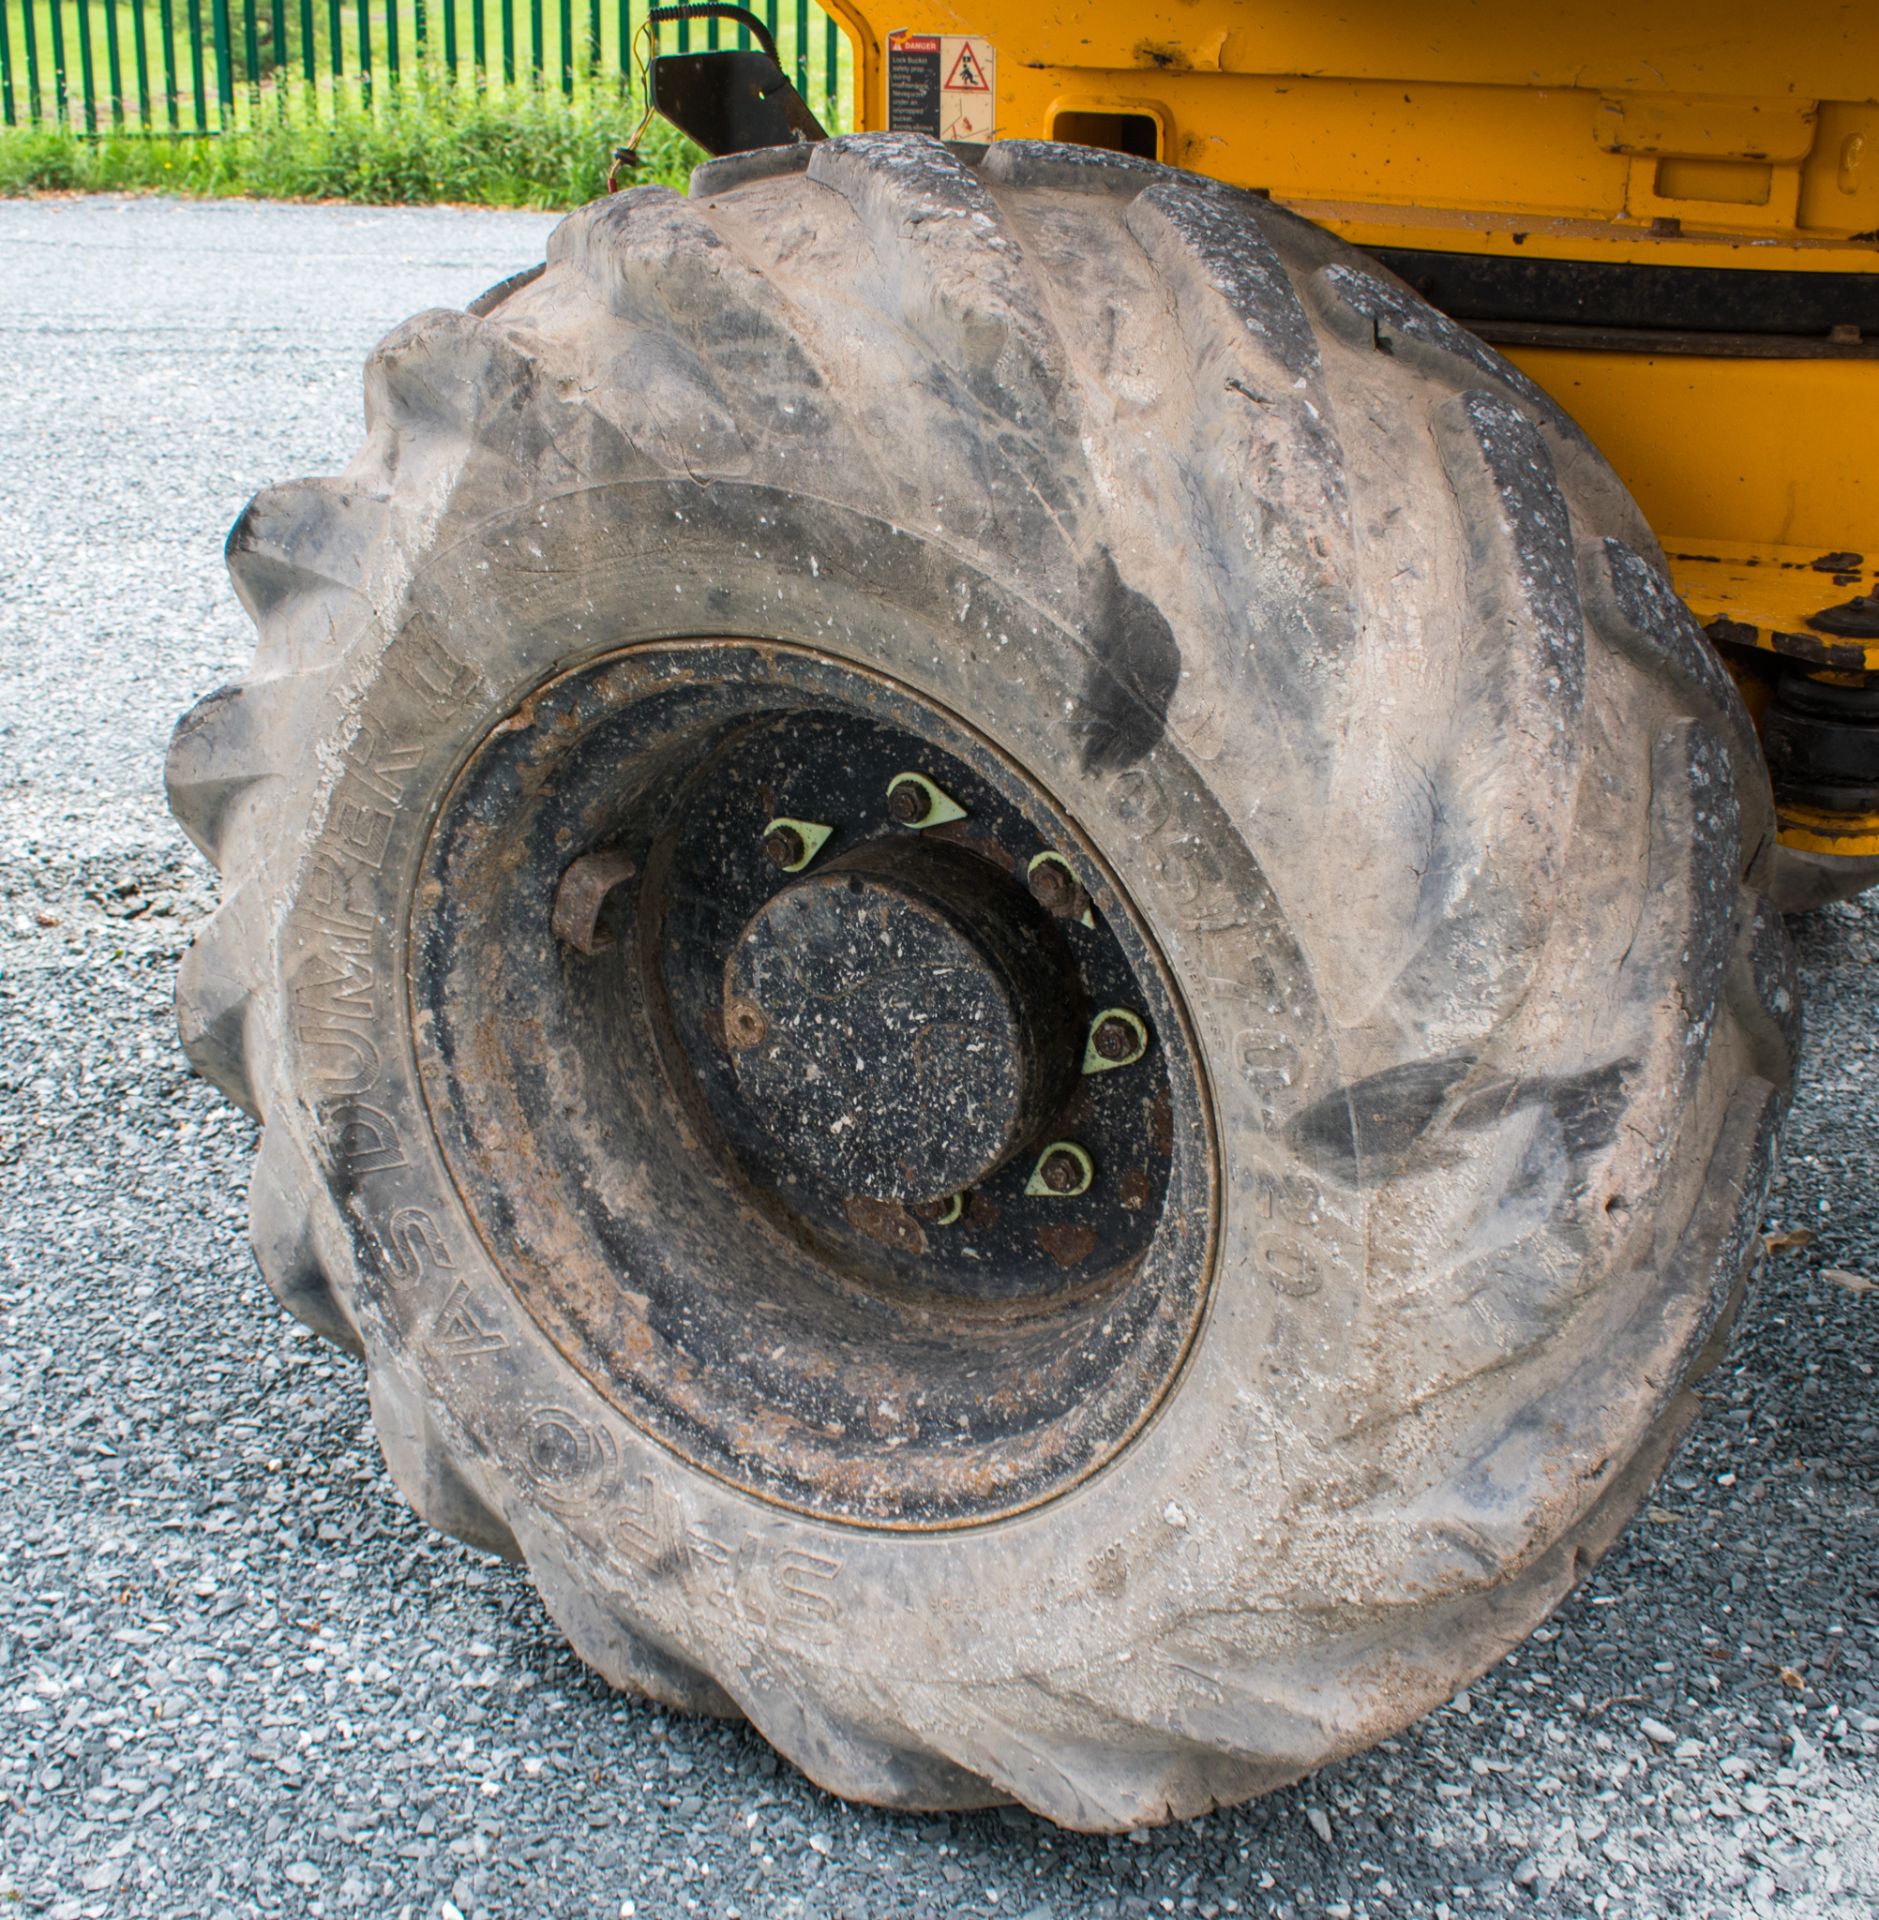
(1114,1038)
(581,896)
(1061,1171)
(909,802)
(784,847)
(745,1025)
(943,1211)
(1057,890)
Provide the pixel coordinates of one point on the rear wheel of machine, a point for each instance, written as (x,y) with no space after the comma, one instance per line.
(1004,952)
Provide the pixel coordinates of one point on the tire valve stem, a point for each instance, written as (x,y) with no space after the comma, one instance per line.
(1063,1171)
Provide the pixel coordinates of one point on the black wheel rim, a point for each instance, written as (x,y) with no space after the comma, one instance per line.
(863,1160)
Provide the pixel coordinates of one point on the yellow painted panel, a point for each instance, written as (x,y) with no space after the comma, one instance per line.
(1766,452)
(1807,49)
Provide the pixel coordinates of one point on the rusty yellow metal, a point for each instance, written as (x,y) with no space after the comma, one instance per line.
(1685,133)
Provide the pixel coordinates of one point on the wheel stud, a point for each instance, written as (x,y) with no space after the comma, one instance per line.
(783,847)
(1063,1170)
(908,803)
(792,844)
(1055,888)
(1117,1039)
(914,801)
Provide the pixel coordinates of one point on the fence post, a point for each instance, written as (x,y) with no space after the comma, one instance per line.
(479,42)
(61,100)
(224,65)
(365,53)
(6,70)
(166,27)
(537,41)
(29,36)
(251,53)
(508,43)
(113,63)
(196,66)
(141,50)
(309,66)
(391,40)
(336,49)
(280,67)
(567,49)
(87,81)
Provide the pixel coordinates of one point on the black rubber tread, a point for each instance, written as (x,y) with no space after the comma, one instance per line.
(433,1476)
(1468,903)
(282,1193)
(215,992)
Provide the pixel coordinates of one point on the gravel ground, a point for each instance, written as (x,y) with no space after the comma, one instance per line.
(237,1677)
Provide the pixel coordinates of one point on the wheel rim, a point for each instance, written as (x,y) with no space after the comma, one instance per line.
(814,1085)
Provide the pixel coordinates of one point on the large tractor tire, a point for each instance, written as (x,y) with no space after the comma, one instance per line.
(1005,953)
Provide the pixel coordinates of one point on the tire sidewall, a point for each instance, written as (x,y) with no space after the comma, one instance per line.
(1170,1526)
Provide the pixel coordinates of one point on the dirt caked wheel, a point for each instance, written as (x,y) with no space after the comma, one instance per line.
(1004,951)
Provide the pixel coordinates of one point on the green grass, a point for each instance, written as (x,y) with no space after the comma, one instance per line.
(432,144)
(526,39)
(421,133)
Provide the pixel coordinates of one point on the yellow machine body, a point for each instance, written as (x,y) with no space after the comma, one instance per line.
(1724,137)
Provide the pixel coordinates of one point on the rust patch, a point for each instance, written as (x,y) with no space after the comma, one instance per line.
(886,1221)
(1068,1246)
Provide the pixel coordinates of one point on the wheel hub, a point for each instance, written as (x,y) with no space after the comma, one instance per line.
(813,1083)
(902,1022)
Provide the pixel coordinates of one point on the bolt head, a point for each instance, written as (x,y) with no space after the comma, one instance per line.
(1060,1171)
(783,847)
(1114,1039)
(1057,890)
(909,802)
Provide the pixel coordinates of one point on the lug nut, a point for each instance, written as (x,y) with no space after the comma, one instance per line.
(1063,1169)
(792,844)
(783,847)
(944,1211)
(909,802)
(1056,888)
(1115,1039)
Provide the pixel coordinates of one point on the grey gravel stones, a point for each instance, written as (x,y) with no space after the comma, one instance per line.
(236,1677)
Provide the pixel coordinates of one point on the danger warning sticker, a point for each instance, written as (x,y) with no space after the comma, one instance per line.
(940,83)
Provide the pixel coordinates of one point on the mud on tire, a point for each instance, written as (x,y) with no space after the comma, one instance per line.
(1360,678)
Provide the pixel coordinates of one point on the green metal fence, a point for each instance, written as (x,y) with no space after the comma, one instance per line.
(215,66)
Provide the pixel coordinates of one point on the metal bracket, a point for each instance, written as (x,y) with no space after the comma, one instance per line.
(732,101)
